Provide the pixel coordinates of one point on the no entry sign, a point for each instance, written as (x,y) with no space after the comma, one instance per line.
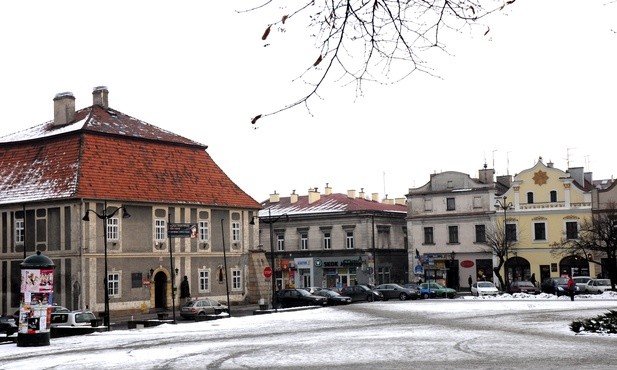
(267,271)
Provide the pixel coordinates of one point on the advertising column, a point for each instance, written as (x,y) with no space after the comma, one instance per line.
(37,286)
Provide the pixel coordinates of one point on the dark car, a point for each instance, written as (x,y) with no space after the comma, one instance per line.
(557,286)
(523,286)
(395,291)
(286,298)
(8,325)
(333,297)
(361,293)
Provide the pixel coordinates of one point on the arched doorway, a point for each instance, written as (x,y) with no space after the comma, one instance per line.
(574,266)
(517,269)
(160,290)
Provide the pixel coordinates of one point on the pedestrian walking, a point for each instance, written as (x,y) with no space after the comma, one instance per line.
(470,281)
(571,288)
(532,279)
(185,291)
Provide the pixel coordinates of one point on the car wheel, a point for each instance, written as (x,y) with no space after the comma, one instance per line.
(402,296)
(370,298)
(425,295)
(217,312)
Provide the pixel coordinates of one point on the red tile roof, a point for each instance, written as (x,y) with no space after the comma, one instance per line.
(106,154)
(336,202)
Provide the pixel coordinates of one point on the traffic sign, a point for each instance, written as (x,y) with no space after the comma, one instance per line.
(267,271)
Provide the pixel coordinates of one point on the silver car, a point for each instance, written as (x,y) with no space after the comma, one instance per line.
(202,307)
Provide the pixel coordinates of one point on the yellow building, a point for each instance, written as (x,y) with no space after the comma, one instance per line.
(546,205)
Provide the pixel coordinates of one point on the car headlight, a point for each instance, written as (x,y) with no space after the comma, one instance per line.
(560,288)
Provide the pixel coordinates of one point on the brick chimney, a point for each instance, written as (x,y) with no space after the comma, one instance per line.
(351,193)
(100,96)
(313,195)
(293,198)
(64,108)
(486,175)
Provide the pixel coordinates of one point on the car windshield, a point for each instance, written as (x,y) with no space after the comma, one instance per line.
(561,281)
(303,292)
(485,284)
(84,317)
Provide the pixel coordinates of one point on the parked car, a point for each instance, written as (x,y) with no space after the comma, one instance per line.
(395,291)
(597,286)
(361,293)
(56,308)
(436,290)
(8,325)
(202,307)
(581,282)
(523,286)
(557,286)
(483,288)
(72,318)
(297,297)
(333,297)
(312,289)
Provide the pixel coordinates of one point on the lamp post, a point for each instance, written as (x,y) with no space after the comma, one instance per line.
(271,221)
(505,206)
(106,216)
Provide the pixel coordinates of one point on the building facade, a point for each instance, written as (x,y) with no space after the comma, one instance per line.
(333,239)
(134,183)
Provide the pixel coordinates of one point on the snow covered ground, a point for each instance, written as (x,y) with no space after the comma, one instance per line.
(517,331)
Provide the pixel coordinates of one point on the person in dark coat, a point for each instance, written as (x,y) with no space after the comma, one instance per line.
(470,281)
(571,288)
(532,279)
(185,291)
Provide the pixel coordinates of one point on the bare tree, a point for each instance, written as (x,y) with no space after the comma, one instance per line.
(597,238)
(499,244)
(373,40)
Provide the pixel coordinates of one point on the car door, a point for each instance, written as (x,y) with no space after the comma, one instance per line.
(387,290)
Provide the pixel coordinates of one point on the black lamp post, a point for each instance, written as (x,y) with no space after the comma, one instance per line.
(106,216)
(505,206)
(271,221)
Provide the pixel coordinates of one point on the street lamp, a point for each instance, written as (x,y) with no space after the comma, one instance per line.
(271,221)
(505,206)
(106,216)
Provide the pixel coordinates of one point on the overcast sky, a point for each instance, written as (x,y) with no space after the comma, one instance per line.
(540,83)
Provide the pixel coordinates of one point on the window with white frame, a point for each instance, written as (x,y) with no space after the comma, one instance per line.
(327,240)
(235,231)
(236,279)
(204,231)
(349,240)
(539,229)
(280,242)
(113,284)
(204,280)
(304,241)
(19,231)
(113,228)
(160,229)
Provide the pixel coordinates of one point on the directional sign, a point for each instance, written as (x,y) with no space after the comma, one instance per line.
(267,271)
(182,230)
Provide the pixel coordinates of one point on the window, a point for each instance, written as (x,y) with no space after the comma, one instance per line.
(112,228)
(450,205)
(539,229)
(19,231)
(235,231)
(452,234)
(113,284)
(480,234)
(511,232)
(571,230)
(160,229)
(530,197)
(383,236)
(383,275)
(553,196)
(280,242)
(327,241)
(349,240)
(236,280)
(428,204)
(204,281)
(204,231)
(477,202)
(428,235)
(304,241)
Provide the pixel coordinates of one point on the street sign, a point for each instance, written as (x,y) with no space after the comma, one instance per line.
(419,270)
(267,271)
(175,230)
